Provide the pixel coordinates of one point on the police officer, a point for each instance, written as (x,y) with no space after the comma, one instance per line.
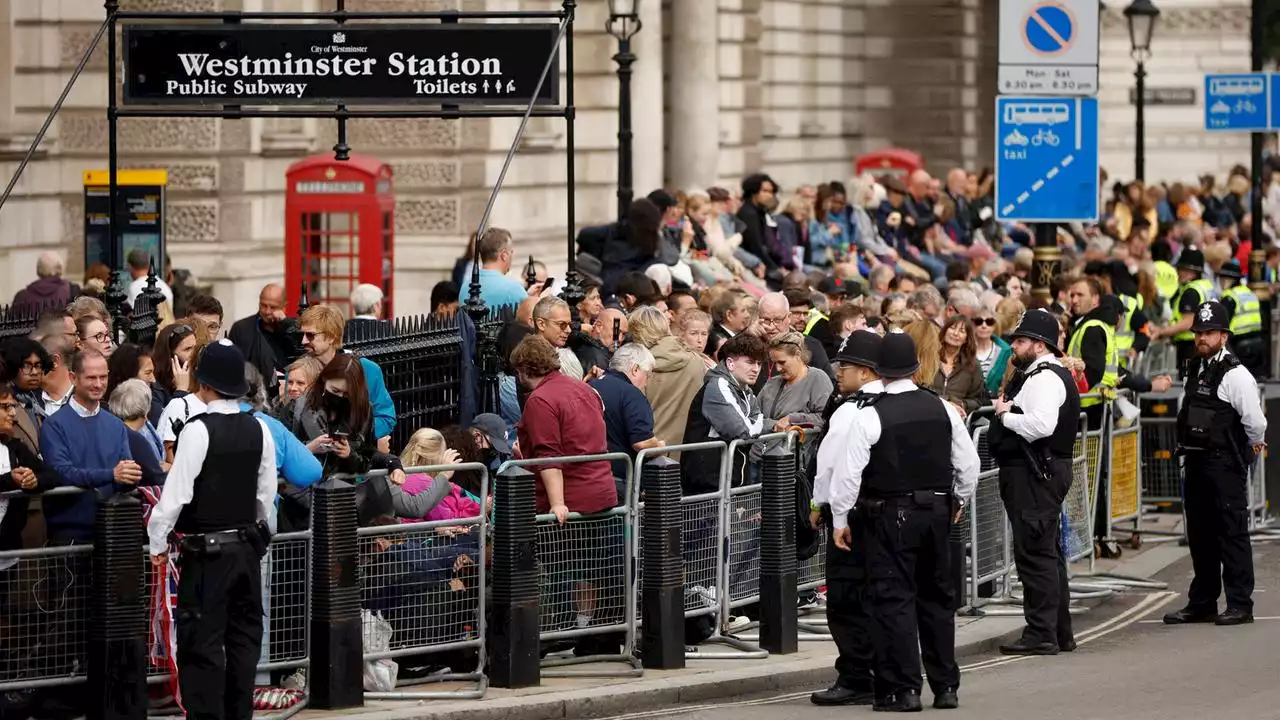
(906,464)
(847,612)
(218,496)
(1220,433)
(1193,291)
(1033,439)
(1245,312)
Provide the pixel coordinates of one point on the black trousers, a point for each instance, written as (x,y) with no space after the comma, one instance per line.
(909,570)
(847,611)
(1217,508)
(219,621)
(1035,514)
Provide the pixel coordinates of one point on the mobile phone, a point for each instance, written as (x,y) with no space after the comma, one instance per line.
(338,435)
(549,283)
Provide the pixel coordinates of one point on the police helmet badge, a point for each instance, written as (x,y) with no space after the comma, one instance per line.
(1206,312)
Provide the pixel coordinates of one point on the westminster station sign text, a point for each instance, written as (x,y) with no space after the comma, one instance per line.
(495,64)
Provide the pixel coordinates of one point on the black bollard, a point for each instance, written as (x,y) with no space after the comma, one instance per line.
(117,643)
(662,593)
(513,630)
(337,655)
(778,617)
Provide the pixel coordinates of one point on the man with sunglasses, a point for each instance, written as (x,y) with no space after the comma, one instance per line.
(553,322)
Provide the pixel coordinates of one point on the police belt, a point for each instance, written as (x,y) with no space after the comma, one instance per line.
(210,544)
(917,497)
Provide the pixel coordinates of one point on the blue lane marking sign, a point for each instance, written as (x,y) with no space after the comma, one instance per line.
(1236,102)
(1047,159)
(1049,29)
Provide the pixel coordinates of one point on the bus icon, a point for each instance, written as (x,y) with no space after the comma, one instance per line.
(1046,113)
(1227,86)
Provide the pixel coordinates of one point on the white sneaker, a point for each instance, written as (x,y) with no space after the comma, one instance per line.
(738,622)
(296,681)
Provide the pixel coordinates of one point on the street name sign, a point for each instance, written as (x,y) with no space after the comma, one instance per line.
(455,64)
(1048,47)
(1047,159)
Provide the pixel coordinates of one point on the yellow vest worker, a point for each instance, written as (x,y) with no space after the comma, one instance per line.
(1166,279)
(1111,370)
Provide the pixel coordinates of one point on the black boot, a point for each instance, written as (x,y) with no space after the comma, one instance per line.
(839,695)
(1191,614)
(1234,616)
(946,699)
(1028,646)
(901,701)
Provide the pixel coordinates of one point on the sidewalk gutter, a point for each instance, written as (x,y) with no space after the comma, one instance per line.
(812,669)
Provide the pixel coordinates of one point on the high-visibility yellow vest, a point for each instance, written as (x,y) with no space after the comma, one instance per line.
(814,316)
(1247,319)
(1110,372)
(1205,290)
(1124,333)
(1166,279)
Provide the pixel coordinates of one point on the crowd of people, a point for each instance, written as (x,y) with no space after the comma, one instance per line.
(709,315)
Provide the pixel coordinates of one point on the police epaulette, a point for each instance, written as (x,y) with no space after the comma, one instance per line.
(862,399)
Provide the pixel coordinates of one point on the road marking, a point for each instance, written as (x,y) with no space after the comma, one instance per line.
(1160,622)
(1148,604)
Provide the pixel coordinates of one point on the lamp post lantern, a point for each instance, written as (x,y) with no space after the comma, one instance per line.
(1141,16)
(624,23)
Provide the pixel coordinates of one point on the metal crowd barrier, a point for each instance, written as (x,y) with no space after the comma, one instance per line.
(588,579)
(702,548)
(989,555)
(44,610)
(426,580)
(1079,506)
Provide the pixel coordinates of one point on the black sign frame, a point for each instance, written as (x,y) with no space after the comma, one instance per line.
(352,64)
(339,111)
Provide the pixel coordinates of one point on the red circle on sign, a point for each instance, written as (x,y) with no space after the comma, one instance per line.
(1066,44)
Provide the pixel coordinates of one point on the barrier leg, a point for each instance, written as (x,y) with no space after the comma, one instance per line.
(336,680)
(513,634)
(663,587)
(117,652)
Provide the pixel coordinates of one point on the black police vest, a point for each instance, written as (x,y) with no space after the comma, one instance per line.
(1061,444)
(1207,422)
(914,450)
(225,496)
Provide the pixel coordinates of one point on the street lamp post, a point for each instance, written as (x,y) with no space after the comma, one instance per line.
(624,23)
(1141,16)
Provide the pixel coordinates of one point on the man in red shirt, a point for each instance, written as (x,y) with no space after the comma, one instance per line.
(563,417)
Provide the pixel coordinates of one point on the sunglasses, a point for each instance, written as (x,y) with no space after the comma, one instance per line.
(179,334)
(985,321)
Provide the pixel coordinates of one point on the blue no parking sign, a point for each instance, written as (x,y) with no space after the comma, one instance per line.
(1049,29)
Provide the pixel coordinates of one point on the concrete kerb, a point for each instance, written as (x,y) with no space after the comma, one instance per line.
(665,689)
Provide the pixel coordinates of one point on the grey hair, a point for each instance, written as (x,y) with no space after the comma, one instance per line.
(964,299)
(542,310)
(257,395)
(632,355)
(364,298)
(130,400)
(49,265)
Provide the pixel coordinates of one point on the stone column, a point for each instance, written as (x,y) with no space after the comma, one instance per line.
(647,101)
(693,138)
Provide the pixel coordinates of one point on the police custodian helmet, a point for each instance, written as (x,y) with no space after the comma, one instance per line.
(862,347)
(1211,316)
(1039,325)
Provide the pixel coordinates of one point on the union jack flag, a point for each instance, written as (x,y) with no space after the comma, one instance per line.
(163,645)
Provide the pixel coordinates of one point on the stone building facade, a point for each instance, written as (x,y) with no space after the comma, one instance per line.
(797,88)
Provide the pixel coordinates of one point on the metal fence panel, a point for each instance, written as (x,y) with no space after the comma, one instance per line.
(582,567)
(1126,487)
(744,545)
(1161,476)
(701,516)
(1078,507)
(44,608)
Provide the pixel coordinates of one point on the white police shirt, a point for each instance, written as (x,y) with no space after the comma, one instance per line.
(1039,399)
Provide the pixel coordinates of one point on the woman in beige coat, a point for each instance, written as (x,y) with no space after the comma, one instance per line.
(677,373)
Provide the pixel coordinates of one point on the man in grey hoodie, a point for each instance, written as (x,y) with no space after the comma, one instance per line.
(724,409)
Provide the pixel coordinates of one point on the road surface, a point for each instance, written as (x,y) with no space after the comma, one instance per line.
(1129,666)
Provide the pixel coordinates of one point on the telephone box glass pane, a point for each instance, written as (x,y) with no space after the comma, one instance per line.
(330,256)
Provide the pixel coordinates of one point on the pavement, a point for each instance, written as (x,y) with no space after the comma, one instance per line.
(778,686)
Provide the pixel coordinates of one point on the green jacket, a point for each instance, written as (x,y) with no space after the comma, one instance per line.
(995,378)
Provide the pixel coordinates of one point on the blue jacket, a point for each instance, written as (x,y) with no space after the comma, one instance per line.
(995,378)
(399,577)
(384,409)
(84,453)
(294,461)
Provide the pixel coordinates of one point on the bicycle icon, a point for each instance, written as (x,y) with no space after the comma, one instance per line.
(1244,106)
(1045,137)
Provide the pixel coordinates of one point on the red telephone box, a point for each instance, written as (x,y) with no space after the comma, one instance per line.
(339,230)
(893,161)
